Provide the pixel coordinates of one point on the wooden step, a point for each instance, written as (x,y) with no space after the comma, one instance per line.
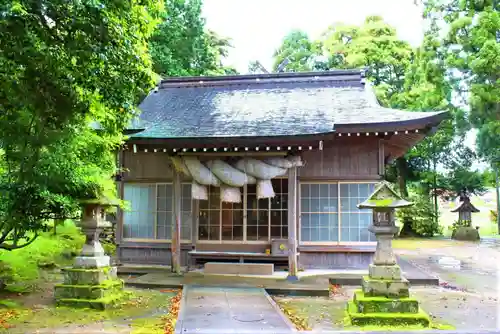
(239,268)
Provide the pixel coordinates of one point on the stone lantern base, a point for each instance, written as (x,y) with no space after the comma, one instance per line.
(97,288)
(384,299)
(91,282)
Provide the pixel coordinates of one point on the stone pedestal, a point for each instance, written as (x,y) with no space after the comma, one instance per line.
(384,299)
(385,295)
(91,282)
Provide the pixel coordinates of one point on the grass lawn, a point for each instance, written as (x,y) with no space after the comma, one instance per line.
(22,267)
(27,303)
(143,311)
(420,243)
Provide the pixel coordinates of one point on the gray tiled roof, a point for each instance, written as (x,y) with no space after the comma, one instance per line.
(270,105)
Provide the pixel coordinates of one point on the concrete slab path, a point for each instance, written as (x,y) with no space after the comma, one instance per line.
(229,310)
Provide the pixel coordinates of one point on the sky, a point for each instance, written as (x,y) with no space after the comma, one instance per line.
(256,27)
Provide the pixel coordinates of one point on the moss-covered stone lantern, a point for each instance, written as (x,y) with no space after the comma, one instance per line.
(465,231)
(385,298)
(91,282)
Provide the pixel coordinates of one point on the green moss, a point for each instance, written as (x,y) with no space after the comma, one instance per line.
(8,303)
(135,303)
(383,304)
(387,319)
(88,291)
(381,202)
(104,285)
(87,270)
(359,294)
(368,278)
(154,325)
(47,248)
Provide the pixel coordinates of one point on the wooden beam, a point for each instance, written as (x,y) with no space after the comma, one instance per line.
(234,154)
(292,224)
(176,225)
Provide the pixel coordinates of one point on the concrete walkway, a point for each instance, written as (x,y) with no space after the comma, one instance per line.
(229,310)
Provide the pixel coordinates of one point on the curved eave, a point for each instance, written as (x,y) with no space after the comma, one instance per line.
(434,119)
(235,140)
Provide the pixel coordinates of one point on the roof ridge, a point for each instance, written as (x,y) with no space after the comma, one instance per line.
(353,75)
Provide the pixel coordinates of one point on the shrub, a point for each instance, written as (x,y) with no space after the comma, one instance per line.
(457,224)
(419,219)
(493,216)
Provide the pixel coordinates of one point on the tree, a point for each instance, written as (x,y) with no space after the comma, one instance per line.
(460,176)
(473,45)
(298,49)
(374,45)
(181,46)
(65,66)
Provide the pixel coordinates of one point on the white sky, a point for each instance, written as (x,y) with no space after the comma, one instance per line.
(257,27)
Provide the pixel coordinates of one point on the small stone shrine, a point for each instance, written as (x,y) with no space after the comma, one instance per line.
(91,282)
(384,299)
(465,231)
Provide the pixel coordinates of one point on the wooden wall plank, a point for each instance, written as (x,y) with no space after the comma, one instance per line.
(342,158)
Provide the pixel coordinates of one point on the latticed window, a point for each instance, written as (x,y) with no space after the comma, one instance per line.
(329,213)
(151,214)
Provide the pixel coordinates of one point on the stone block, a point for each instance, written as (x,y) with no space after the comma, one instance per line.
(239,268)
(98,304)
(96,276)
(466,233)
(384,272)
(92,262)
(386,319)
(89,292)
(386,288)
(383,304)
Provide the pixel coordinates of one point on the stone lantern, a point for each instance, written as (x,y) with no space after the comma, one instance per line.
(93,222)
(385,290)
(91,282)
(465,231)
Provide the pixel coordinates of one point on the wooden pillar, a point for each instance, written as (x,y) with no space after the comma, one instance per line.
(176,226)
(119,213)
(195,212)
(292,224)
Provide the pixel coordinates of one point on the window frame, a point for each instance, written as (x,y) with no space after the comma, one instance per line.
(245,207)
(339,213)
(155,205)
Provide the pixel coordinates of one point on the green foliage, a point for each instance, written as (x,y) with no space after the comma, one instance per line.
(21,266)
(373,45)
(474,52)
(420,217)
(298,49)
(493,216)
(458,223)
(181,46)
(66,65)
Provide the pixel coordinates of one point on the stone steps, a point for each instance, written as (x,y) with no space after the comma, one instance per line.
(239,268)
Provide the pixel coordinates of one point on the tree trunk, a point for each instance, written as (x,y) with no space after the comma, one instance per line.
(402,168)
(434,190)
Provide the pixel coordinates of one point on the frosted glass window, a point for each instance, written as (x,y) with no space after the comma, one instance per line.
(319,215)
(151,215)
